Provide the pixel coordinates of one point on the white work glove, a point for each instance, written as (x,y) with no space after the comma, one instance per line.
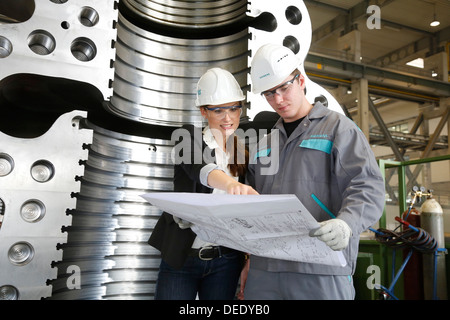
(183,224)
(335,233)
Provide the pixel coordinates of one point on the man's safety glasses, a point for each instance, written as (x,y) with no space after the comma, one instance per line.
(221,112)
(281,90)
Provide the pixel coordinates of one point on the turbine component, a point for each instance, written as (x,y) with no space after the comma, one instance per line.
(190,14)
(111,223)
(36,189)
(156,75)
(61,39)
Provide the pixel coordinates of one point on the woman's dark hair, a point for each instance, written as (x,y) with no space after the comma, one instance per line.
(239,154)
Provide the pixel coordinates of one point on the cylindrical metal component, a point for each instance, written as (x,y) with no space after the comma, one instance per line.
(188,13)
(156,76)
(432,221)
(111,224)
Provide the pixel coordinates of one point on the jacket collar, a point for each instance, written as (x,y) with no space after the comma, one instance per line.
(317,112)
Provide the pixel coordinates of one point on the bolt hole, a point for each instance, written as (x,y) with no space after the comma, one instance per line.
(83,49)
(8,292)
(5,47)
(32,211)
(293,15)
(88,17)
(21,253)
(6,164)
(41,42)
(42,171)
(65,25)
(292,43)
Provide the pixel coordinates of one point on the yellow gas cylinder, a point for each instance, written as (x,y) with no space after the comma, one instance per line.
(432,221)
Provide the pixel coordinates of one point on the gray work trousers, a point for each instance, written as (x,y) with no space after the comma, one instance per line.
(266,285)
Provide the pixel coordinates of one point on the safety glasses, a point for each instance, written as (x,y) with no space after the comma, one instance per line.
(280,90)
(221,112)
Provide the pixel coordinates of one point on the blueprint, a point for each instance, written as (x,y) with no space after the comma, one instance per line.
(273,226)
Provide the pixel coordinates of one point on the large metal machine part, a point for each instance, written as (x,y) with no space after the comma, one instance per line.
(37,178)
(111,224)
(63,39)
(156,75)
(190,14)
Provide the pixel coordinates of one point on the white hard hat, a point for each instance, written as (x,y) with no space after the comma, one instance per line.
(271,65)
(217,86)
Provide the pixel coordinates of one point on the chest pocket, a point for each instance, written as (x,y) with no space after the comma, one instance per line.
(318,161)
(318,144)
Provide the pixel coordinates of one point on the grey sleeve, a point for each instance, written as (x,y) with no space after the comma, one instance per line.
(360,181)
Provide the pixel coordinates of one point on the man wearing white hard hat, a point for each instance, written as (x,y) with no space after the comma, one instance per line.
(325,160)
(191,267)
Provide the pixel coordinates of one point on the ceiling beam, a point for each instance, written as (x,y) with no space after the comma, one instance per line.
(325,5)
(345,20)
(430,42)
(416,86)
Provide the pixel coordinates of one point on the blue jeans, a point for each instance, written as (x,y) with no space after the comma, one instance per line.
(215,279)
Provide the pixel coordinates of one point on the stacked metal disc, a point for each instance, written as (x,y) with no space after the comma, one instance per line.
(190,13)
(111,224)
(156,75)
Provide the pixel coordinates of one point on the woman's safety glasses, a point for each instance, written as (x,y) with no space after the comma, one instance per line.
(221,112)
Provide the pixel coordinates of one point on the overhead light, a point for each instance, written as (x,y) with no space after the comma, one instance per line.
(435,22)
(418,63)
(434,74)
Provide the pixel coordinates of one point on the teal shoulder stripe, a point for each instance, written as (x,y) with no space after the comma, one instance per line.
(318,144)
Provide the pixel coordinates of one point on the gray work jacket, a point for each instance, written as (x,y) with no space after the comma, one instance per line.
(328,164)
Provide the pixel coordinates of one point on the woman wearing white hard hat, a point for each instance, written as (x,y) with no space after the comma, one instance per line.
(214,161)
(325,160)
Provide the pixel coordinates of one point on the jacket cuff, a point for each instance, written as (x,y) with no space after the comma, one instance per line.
(204,172)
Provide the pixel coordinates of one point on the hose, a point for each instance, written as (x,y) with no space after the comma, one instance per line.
(413,237)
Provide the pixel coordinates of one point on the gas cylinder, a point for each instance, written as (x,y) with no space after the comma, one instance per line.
(413,272)
(432,221)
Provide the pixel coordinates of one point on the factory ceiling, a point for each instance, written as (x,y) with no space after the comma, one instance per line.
(404,32)
(392,34)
